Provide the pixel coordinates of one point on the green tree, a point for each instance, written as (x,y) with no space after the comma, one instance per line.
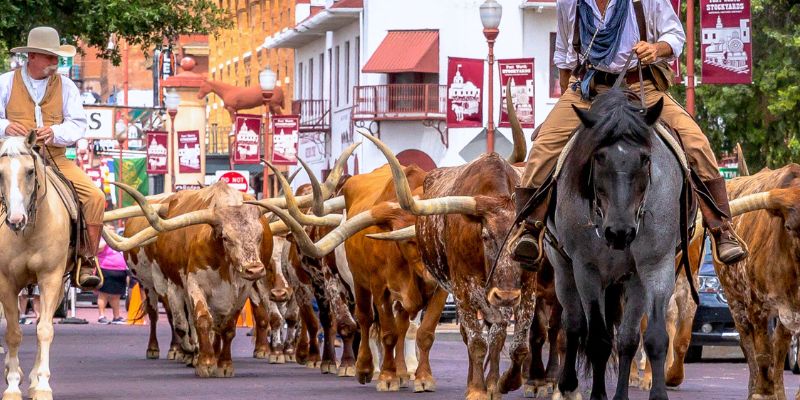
(139,22)
(763,116)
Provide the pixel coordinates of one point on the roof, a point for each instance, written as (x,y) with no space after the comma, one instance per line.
(406,51)
(348,4)
(320,21)
(538,4)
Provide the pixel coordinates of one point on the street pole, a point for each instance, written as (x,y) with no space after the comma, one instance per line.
(170,140)
(690,57)
(491,35)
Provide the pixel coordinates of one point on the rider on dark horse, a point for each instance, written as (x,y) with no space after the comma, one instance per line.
(593,42)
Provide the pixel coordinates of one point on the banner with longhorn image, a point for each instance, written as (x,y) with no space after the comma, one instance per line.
(520,74)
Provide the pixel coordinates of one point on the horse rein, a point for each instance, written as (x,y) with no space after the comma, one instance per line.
(34,198)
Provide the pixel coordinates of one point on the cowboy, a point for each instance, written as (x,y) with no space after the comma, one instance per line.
(35,97)
(603,33)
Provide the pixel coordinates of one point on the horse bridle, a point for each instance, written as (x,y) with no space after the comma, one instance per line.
(33,198)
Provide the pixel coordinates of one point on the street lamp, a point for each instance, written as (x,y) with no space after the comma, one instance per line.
(491,13)
(120,130)
(171,101)
(267,80)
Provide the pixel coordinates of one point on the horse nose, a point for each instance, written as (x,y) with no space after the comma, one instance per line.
(504,298)
(620,237)
(15,218)
(279,295)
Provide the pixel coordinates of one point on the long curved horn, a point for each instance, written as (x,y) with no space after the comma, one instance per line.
(328,188)
(294,210)
(743,170)
(204,216)
(120,243)
(520,147)
(742,205)
(290,179)
(335,237)
(132,211)
(441,205)
(409,232)
(317,207)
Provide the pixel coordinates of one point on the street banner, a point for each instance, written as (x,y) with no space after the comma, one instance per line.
(247,149)
(464,92)
(134,173)
(676,65)
(520,72)
(286,132)
(726,45)
(188,151)
(157,152)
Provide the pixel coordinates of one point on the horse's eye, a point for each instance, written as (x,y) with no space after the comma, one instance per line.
(29,173)
(600,157)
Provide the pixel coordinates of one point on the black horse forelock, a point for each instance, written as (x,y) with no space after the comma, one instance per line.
(619,119)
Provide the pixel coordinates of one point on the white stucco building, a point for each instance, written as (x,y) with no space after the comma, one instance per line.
(382,65)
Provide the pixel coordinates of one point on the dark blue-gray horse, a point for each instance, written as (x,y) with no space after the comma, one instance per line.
(617,220)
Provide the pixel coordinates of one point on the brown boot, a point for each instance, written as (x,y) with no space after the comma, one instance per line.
(87,260)
(526,250)
(718,221)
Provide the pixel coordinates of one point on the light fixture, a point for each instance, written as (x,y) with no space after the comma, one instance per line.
(172,100)
(121,129)
(266,79)
(491,11)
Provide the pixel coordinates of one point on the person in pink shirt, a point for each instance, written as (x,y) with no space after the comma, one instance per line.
(115,273)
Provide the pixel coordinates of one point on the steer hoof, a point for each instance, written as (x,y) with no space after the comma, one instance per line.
(576,395)
(346,371)
(328,367)
(42,395)
(225,370)
(364,377)
(646,383)
(12,395)
(424,385)
(291,358)
(476,395)
(172,354)
(538,389)
(153,354)
(277,358)
(205,371)
(260,354)
(388,385)
(313,364)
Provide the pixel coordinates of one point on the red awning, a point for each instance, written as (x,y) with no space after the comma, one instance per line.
(406,51)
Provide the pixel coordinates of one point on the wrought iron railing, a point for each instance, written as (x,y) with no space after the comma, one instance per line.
(412,101)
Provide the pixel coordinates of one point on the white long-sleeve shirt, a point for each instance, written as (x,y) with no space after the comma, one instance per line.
(64,134)
(663,25)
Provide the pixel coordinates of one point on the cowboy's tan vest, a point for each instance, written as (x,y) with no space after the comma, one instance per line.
(20,105)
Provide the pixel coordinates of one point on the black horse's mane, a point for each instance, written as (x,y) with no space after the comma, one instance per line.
(618,118)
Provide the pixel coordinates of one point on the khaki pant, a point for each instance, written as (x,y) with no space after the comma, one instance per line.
(562,121)
(93,202)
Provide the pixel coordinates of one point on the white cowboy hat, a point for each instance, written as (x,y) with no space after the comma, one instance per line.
(44,39)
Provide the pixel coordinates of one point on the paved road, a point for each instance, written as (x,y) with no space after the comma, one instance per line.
(94,362)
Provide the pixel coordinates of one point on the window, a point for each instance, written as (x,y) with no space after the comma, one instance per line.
(262,11)
(247,80)
(335,75)
(310,78)
(299,80)
(347,72)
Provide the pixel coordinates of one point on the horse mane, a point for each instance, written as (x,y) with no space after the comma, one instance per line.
(619,119)
(14,146)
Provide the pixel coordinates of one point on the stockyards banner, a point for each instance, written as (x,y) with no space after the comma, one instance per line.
(156,152)
(727,48)
(520,72)
(464,92)
(286,131)
(188,151)
(246,146)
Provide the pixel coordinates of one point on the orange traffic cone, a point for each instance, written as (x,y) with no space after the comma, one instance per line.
(136,311)
(246,316)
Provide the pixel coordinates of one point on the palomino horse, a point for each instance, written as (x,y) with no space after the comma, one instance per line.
(618,198)
(35,249)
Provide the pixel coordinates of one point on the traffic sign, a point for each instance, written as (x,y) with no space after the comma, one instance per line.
(238,180)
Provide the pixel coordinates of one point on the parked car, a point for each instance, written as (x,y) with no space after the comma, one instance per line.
(713,323)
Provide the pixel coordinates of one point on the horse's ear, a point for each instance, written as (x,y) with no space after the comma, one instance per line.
(30,140)
(654,112)
(588,118)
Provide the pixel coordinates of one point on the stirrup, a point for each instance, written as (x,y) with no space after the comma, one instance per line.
(99,276)
(735,236)
(535,239)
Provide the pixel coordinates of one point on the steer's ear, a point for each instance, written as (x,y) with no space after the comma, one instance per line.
(588,119)
(654,112)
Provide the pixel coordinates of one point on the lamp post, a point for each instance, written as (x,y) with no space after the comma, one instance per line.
(121,130)
(491,12)
(266,79)
(171,101)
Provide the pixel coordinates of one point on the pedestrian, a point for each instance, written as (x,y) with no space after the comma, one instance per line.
(115,273)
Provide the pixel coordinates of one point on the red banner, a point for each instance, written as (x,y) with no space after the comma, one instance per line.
(188,151)
(727,48)
(676,65)
(520,72)
(285,134)
(247,149)
(157,152)
(464,92)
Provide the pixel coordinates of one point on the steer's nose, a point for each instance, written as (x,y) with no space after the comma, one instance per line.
(254,271)
(620,237)
(279,295)
(504,298)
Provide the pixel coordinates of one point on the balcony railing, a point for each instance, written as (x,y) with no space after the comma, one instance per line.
(412,101)
(218,139)
(314,114)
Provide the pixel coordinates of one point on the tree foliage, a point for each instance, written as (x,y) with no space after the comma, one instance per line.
(145,23)
(763,116)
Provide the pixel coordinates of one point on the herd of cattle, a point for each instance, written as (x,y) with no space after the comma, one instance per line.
(378,250)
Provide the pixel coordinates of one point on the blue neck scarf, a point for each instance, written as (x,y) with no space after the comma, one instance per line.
(604,48)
